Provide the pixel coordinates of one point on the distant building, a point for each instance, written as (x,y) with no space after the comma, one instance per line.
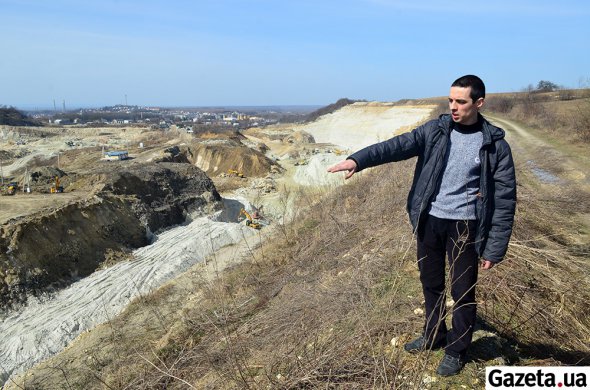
(61,121)
(116,155)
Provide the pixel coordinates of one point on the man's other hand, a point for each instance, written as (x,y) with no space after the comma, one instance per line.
(346,165)
(486,264)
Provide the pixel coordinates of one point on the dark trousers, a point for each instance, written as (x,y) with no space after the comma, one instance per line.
(437,237)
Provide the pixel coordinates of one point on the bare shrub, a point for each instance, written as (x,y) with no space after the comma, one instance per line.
(529,104)
(581,121)
(501,104)
(565,94)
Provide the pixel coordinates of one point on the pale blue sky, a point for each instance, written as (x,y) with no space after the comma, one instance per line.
(272,52)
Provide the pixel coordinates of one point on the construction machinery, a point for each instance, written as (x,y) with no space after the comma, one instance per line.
(233,172)
(11,188)
(57,188)
(251,222)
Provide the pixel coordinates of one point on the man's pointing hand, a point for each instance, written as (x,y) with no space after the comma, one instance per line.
(346,165)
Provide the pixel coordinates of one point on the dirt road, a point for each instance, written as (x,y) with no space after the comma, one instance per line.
(560,171)
(546,160)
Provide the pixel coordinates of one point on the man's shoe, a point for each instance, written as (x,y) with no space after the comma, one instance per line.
(449,365)
(420,344)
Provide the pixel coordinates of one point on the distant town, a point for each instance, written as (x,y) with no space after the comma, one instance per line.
(163,118)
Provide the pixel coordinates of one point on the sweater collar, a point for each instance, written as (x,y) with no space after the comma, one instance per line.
(490,132)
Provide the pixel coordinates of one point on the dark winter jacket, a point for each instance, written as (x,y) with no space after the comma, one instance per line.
(497,192)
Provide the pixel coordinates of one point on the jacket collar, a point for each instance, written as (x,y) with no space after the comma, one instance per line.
(490,132)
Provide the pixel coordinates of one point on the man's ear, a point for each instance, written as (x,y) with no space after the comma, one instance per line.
(479,103)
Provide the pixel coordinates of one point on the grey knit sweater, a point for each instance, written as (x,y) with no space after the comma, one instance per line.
(459,185)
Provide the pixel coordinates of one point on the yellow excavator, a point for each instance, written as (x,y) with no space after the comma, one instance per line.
(233,172)
(57,188)
(253,223)
(12,187)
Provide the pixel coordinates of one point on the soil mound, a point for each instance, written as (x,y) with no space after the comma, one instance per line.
(216,159)
(43,177)
(299,137)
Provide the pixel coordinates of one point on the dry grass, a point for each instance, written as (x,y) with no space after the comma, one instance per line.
(539,297)
(319,306)
(300,314)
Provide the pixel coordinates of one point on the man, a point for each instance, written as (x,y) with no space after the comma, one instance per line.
(461,205)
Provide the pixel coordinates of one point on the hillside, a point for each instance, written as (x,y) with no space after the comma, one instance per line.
(10,116)
(328,300)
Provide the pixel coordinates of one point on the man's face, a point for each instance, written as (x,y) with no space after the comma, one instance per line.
(463,109)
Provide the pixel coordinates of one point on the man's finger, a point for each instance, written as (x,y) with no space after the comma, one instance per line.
(346,165)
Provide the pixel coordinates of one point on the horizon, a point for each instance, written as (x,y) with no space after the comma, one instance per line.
(183,53)
(35,108)
(251,107)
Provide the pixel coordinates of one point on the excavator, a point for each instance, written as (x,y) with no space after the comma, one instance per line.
(233,172)
(253,223)
(57,188)
(12,187)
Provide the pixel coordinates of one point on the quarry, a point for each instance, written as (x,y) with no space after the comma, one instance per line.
(100,216)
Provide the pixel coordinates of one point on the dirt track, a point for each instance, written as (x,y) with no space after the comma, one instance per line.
(571,168)
(561,172)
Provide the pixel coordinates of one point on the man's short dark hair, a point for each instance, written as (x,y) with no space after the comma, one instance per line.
(478,89)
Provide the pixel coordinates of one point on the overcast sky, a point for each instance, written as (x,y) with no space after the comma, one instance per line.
(279,52)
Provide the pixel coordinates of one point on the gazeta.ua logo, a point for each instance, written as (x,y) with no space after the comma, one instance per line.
(537,377)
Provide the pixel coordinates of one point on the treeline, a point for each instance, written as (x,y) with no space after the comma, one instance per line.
(329,109)
(12,117)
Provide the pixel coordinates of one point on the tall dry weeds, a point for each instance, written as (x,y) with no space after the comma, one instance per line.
(321,305)
(539,296)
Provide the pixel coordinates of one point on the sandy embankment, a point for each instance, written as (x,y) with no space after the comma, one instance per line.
(352,128)
(45,327)
(361,124)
